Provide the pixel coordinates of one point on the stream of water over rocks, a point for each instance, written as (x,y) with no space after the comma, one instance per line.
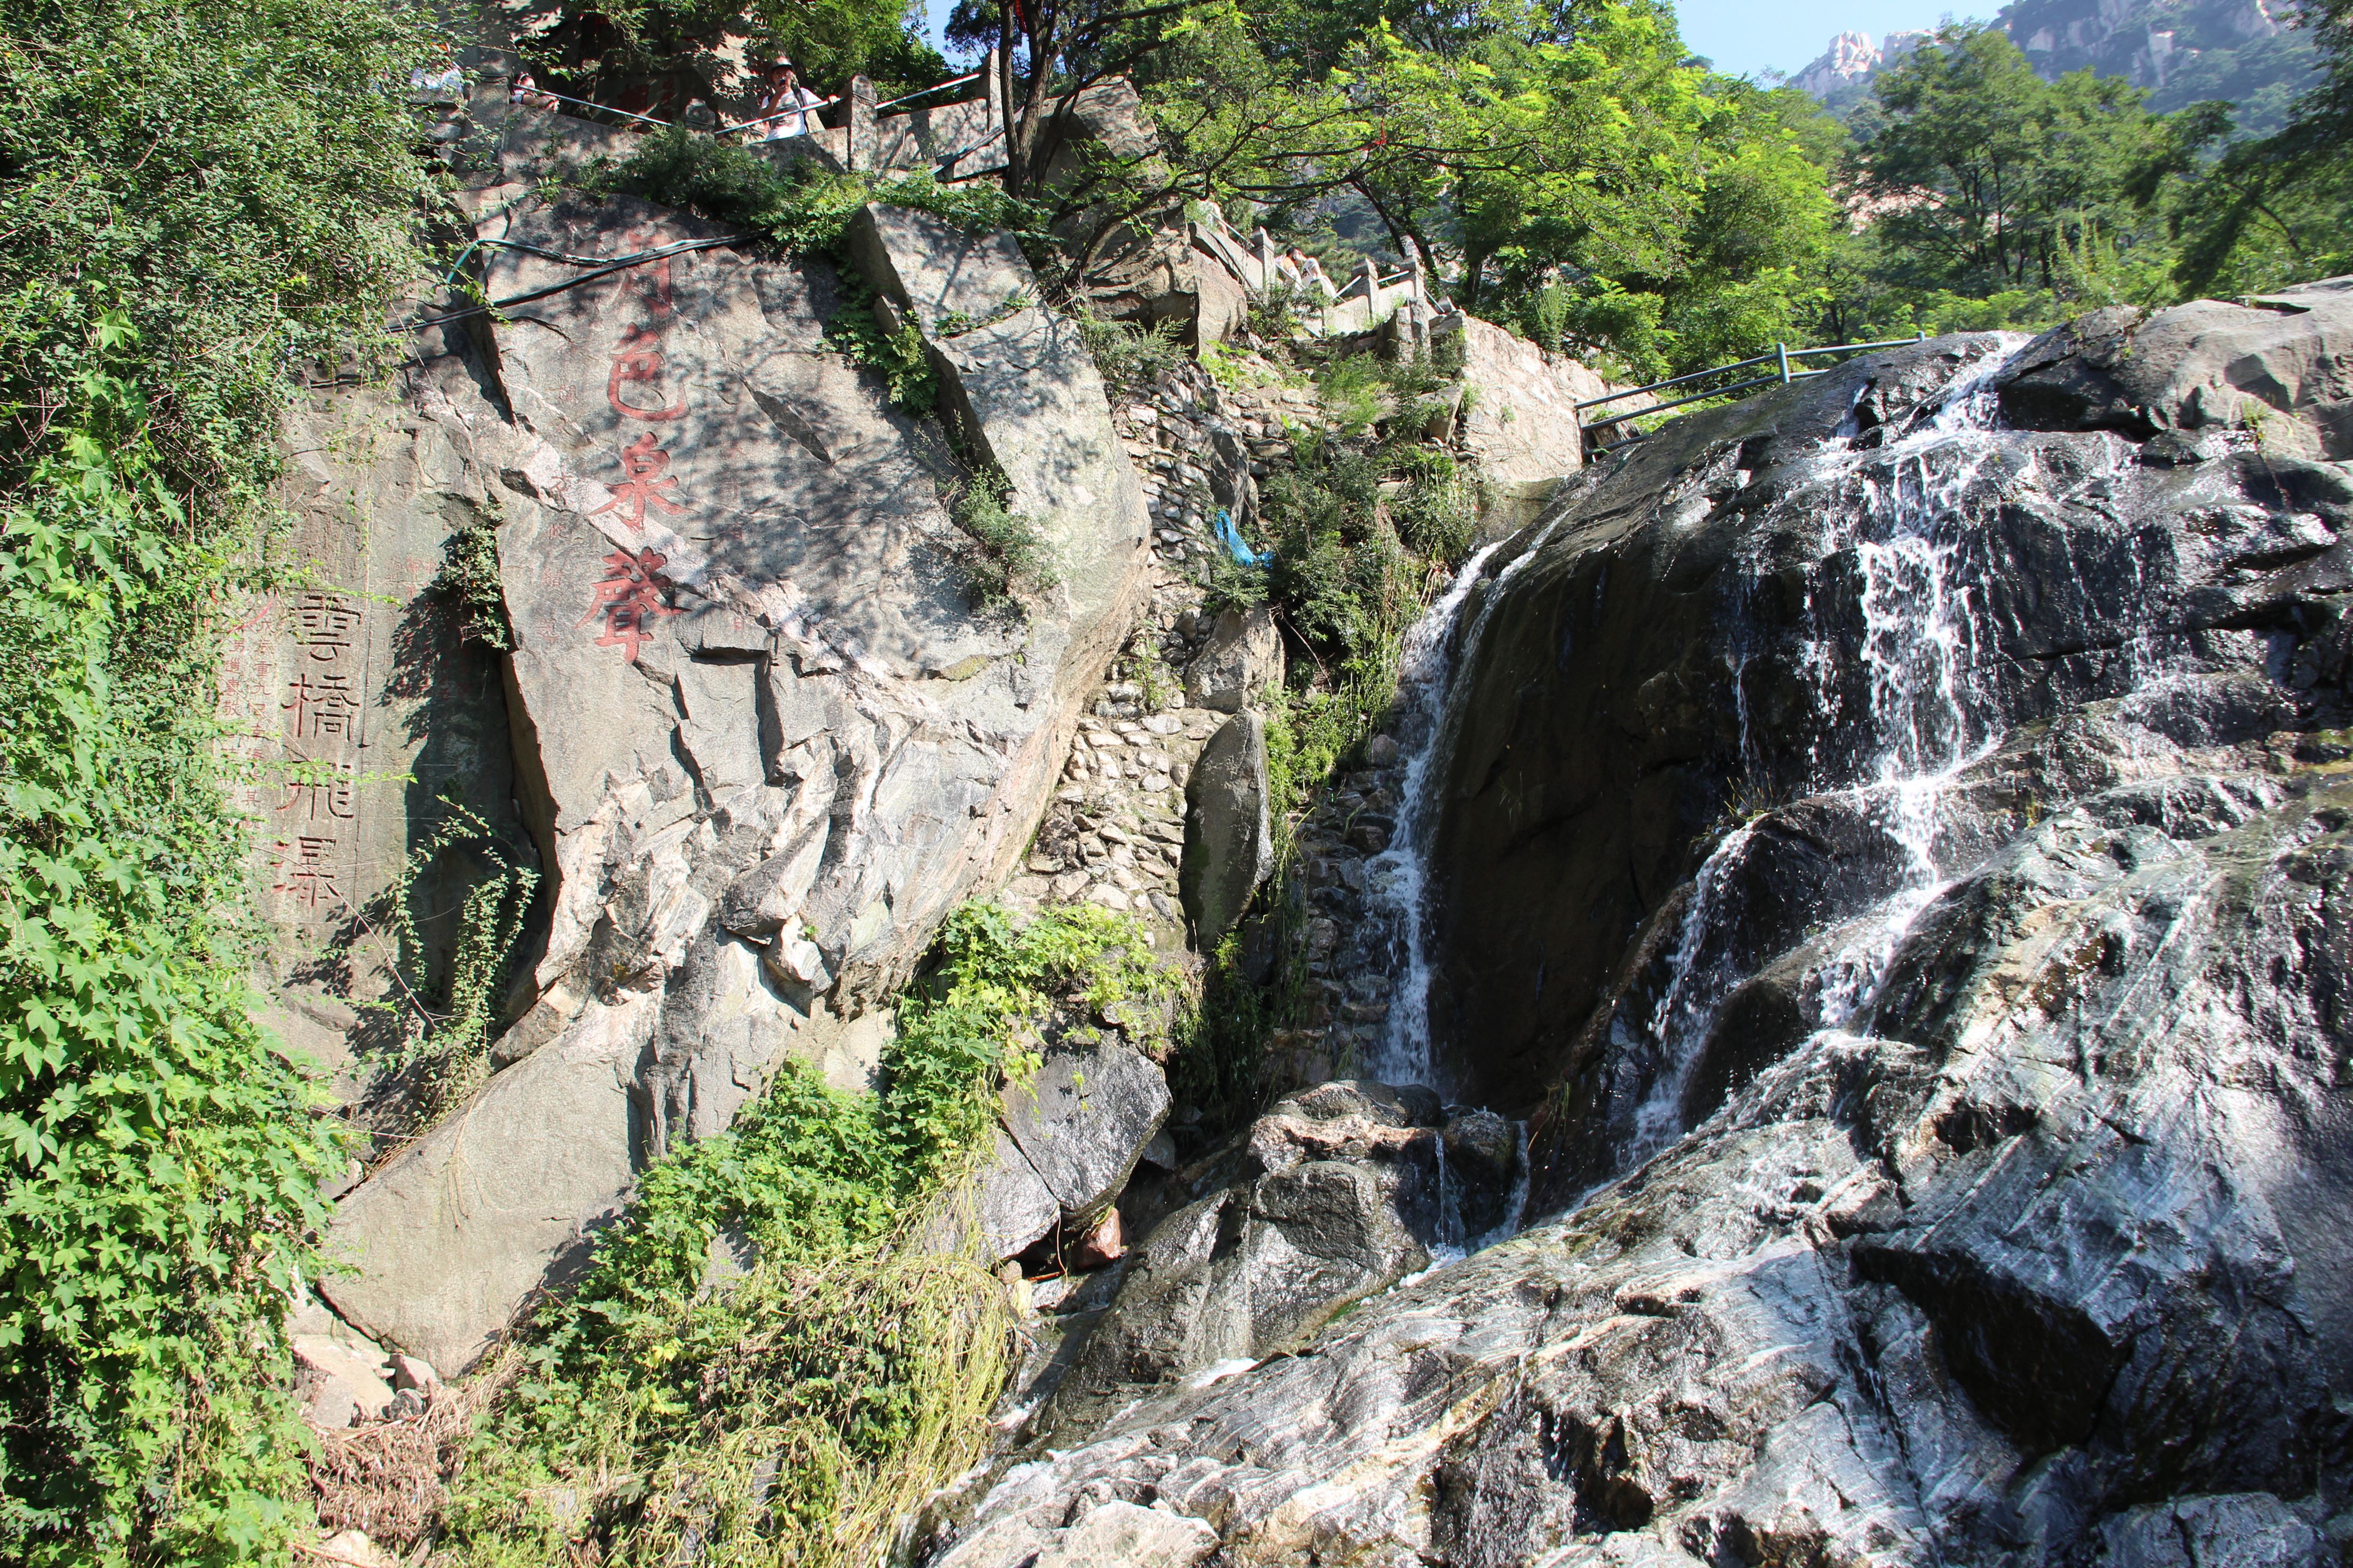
(1888,843)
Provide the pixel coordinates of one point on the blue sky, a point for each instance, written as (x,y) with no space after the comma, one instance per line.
(1752,36)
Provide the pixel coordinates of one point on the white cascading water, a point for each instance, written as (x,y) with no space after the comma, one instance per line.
(1426,686)
(1924,728)
(1425,673)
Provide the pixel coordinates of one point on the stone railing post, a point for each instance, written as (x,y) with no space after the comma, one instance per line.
(859,153)
(1265,261)
(996,101)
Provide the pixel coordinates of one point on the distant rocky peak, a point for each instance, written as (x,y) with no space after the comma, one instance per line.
(1852,59)
(2149,42)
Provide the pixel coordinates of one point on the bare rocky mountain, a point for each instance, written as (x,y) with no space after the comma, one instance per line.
(2183,51)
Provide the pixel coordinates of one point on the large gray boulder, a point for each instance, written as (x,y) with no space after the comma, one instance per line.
(1068,1138)
(2280,365)
(451,1235)
(1228,837)
(1521,423)
(1331,1196)
(930,269)
(1242,658)
(1083,1116)
(763,734)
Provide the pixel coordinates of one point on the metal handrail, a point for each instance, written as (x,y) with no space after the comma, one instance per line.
(923,92)
(1781,356)
(584,103)
(785,113)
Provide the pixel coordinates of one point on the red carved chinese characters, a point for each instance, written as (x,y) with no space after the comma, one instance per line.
(630,599)
(324,709)
(638,360)
(323,625)
(329,788)
(641,463)
(634,592)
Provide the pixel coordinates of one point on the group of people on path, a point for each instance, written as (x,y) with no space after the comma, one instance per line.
(1300,271)
(781,107)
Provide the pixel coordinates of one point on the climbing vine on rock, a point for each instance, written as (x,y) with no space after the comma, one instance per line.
(197,198)
(446,1020)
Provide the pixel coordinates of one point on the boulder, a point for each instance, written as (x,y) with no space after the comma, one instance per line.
(1228,839)
(449,1236)
(941,277)
(1334,1193)
(1067,1141)
(1221,306)
(341,1386)
(1084,1117)
(1242,658)
(1521,424)
(756,779)
(2278,366)
(1116,1534)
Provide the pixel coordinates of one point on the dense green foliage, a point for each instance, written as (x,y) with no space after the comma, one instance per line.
(1566,169)
(847,1370)
(609,52)
(2280,207)
(444,1013)
(803,210)
(197,200)
(1996,199)
(1009,557)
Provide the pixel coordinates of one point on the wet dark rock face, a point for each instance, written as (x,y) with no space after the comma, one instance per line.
(1894,840)
(1687,649)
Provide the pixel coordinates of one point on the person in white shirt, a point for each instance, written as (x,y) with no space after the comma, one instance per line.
(784,109)
(1311,273)
(444,83)
(524,90)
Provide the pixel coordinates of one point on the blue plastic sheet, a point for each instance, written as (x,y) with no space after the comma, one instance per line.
(1231,537)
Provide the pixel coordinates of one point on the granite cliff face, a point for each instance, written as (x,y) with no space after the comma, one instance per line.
(1890,838)
(758,731)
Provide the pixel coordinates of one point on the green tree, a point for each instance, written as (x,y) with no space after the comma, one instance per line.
(2278,208)
(634,53)
(1983,178)
(198,200)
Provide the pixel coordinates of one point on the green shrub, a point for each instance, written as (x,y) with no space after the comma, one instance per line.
(1127,355)
(447,1018)
(467,585)
(1274,314)
(901,358)
(1351,390)
(795,1413)
(802,209)
(1010,557)
(199,198)
(1437,515)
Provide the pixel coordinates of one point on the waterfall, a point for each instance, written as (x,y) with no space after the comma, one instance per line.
(1925,726)
(1428,694)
